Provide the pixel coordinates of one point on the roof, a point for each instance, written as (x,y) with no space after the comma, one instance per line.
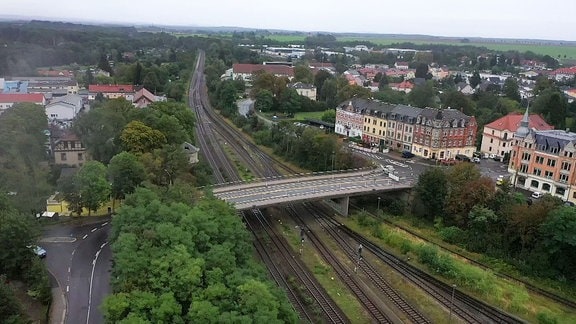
(274,69)
(300,85)
(511,122)
(22,97)
(71,99)
(555,138)
(111,88)
(144,93)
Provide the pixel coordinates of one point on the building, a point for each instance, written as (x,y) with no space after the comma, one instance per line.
(50,86)
(69,150)
(191,152)
(425,132)
(111,91)
(404,86)
(304,89)
(8,100)
(498,136)
(64,108)
(143,98)
(544,161)
(245,71)
(443,134)
(349,118)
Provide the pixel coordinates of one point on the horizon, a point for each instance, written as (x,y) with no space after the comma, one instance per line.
(513,19)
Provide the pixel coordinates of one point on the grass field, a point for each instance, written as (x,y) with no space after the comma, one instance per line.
(553,51)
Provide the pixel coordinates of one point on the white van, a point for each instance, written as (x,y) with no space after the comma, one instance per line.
(536,195)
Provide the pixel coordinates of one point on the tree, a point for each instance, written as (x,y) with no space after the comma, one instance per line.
(457,100)
(475,79)
(125,172)
(137,79)
(422,71)
(329,116)
(559,239)
(93,185)
(139,138)
(17,233)
(431,190)
(303,74)
(511,89)
(290,102)
(264,101)
(151,81)
(10,309)
(350,91)
(319,79)
(423,95)
(553,105)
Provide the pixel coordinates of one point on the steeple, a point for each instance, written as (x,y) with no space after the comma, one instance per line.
(524,128)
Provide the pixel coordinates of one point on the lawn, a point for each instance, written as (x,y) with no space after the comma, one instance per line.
(309,115)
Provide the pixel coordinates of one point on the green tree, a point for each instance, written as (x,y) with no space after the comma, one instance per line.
(553,105)
(329,116)
(290,102)
(432,190)
(303,74)
(422,71)
(139,138)
(475,79)
(125,172)
(457,100)
(10,309)
(423,95)
(559,239)
(511,89)
(264,101)
(93,185)
(17,233)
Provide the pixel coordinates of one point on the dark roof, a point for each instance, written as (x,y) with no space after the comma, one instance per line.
(548,139)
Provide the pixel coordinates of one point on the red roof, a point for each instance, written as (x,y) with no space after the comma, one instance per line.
(274,69)
(22,97)
(511,122)
(111,88)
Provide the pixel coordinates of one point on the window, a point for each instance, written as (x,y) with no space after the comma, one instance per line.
(566,166)
(503,144)
(537,172)
(560,191)
(491,140)
(534,184)
(546,187)
(540,159)
(524,168)
(549,174)
(490,149)
(564,178)
(551,162)
(63,156)
(526,156)
(80,156)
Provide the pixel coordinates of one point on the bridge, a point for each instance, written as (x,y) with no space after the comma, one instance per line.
(336,187)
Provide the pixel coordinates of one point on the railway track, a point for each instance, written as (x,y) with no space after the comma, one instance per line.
(344,273)
(376,278)
(259,224)
(469,309)
(532,288)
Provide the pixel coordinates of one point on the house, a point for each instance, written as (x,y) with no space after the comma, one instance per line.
(376,123)
(64,108)
(498,136)
(191,152)
(465,88)
(69,150)
(50,86)
(544,161)
(402,65)
(8,100)
(304,89)
(349,119)
(142,98)
(11,86)
(245,71)
(404,86)
(400,131)
(110,91)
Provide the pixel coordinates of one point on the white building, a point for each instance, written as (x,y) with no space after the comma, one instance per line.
(64,108)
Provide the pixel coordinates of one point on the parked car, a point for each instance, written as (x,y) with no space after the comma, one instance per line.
(476,159)
(462,157)
(500,180)
(536,195)
(407,154)
(38,250)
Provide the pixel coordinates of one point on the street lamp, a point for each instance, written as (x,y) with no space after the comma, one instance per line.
(379,198)
(451,303)
(333,163)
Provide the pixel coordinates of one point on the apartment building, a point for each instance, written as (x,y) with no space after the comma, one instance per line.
(544,161)
(498,136)
(428,133)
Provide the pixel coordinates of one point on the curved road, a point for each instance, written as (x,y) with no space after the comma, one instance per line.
(79,257)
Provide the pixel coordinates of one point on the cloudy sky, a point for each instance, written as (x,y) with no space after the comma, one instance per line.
(534,19)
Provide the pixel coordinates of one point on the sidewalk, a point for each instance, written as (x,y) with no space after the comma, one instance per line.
(58,307)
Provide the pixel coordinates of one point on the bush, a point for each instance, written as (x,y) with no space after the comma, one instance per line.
(452,234)
(546,318)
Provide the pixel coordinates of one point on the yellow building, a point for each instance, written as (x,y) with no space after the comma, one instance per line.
(56,204)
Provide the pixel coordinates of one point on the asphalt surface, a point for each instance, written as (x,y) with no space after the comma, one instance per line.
(79,258)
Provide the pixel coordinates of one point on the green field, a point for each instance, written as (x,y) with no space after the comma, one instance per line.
(554,51)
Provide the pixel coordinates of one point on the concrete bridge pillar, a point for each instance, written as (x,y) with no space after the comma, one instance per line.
(340,205)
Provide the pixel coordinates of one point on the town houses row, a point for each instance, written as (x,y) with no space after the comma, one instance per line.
(425,132)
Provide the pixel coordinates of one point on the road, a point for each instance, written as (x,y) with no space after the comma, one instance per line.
(79,257)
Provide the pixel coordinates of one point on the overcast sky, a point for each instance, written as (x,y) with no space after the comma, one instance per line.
(534,19)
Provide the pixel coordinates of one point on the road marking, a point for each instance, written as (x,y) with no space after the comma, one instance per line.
(91,281)
(73,251)
(104,224)
(103,245)
(68,269)
(94,229)
(67,288)
(85,236)
(58,239)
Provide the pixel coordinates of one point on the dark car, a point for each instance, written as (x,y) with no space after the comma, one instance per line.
(407,154)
